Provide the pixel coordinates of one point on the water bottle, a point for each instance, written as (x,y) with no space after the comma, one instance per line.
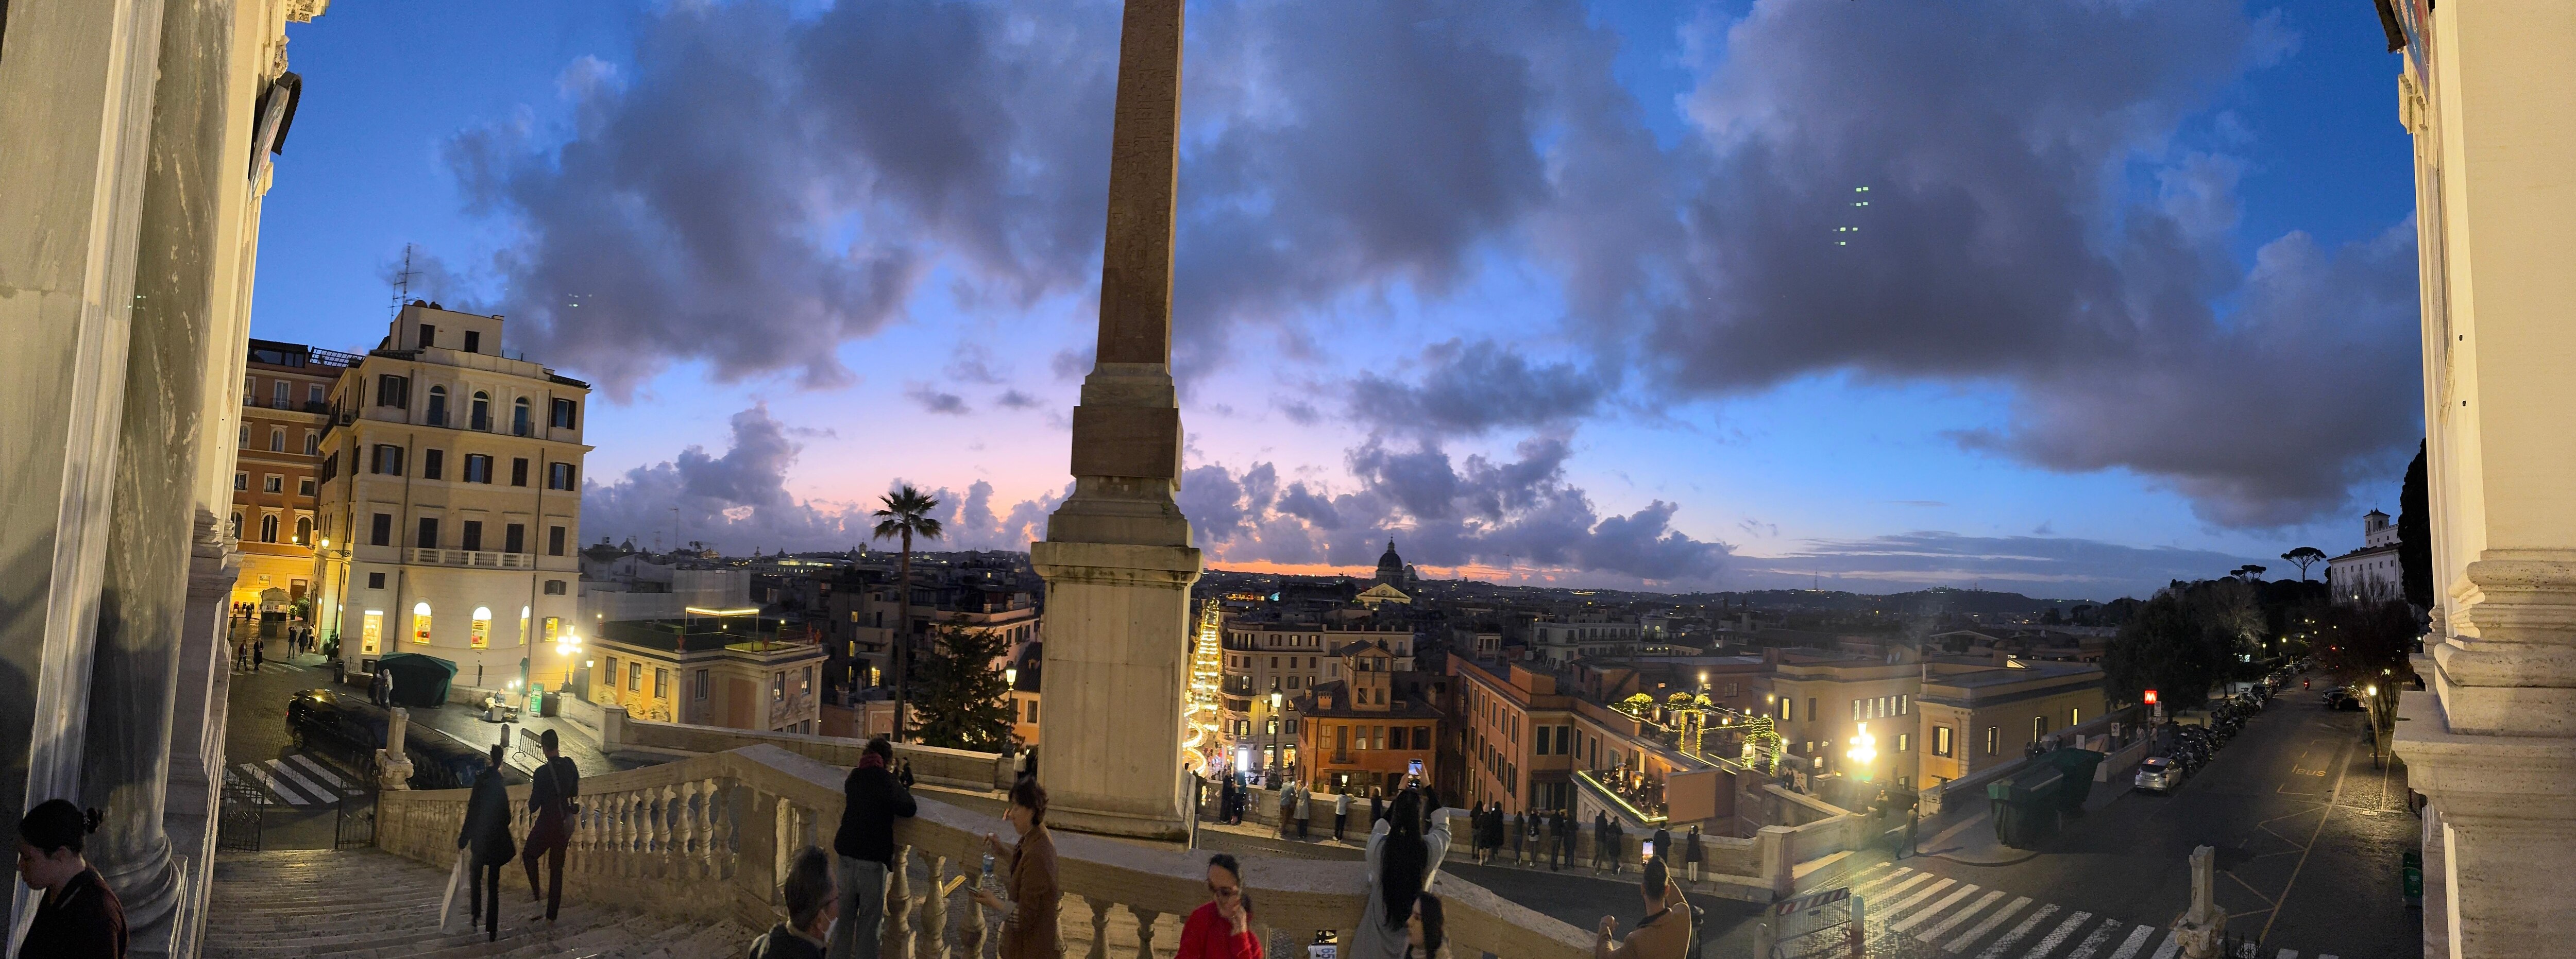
(988,868)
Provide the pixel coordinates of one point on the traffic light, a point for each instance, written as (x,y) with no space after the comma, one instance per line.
(2151,697)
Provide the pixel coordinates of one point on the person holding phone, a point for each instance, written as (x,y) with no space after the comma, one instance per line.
(1221,929)
(1029,916)
(1666,931)
(1403,860)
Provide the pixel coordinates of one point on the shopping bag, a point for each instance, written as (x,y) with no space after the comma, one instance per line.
(455,878)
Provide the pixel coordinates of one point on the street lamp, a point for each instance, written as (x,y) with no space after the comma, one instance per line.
(1864,750)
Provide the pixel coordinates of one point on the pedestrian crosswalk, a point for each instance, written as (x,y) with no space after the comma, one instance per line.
(296,780)
(272,666)
(1931,908)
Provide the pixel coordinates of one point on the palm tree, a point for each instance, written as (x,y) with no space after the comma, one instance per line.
(906,514)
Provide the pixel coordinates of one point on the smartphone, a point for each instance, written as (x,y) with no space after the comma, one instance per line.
(1650,849)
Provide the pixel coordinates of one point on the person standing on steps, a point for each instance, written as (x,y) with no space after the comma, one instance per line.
(1537,840)
(1341,812)
(1403,860)
(77,916)
(1691,853)
(871,800)
(1305,809)
(258,654)
(1377,806)
(487,833)
(550,812)
(1515,825)
(808,893)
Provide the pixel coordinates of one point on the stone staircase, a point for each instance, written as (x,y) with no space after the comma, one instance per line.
(362,902)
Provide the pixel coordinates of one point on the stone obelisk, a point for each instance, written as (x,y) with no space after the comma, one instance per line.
(1117,558)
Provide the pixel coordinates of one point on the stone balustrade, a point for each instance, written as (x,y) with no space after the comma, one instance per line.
(710,836)
(955,768)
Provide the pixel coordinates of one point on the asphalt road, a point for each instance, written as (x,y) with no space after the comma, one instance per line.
(303,787)
(2307,831)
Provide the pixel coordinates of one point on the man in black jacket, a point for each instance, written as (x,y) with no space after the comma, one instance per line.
(487,835)
(550,822)
(871,801)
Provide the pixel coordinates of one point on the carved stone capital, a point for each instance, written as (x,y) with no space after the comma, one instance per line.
(2509,667)
(213,563)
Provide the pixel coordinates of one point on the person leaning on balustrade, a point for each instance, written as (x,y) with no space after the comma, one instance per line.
(1029,915)
(1221,929)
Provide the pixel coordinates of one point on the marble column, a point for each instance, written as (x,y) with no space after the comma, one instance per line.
(76,87)
(2493,744)
(1117,558)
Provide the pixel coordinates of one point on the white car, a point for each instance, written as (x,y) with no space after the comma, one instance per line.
(2158,774)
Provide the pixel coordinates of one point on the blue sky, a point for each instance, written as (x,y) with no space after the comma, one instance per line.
(1543,290)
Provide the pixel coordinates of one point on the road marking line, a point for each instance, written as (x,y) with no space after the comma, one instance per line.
(317,770)
(1996,951)
(2093,943)
(1899,888)
(1979,930)
(1935,933)
(301,783)
(2049,943)
(2173,944)
(2137,940)
(1935,909)
(260,773)
(1926,893)
(2287,954)
(2343,765)
(1870,887)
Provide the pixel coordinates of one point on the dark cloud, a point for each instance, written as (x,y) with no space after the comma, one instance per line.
(1518,513)
(2039,566)
(1014,399)
(935,401)
(2008,200)
(738,501)
(1470,388)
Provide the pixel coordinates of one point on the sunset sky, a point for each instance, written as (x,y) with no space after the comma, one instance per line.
(2067,298)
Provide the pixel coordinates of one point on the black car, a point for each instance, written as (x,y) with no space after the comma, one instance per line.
(2341,699)
(347,726)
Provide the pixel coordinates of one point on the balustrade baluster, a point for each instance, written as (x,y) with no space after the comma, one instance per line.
(898,921)
(970,929)
(1099,927)
(1144,930)
(720,842)
(932,941)
(693,816)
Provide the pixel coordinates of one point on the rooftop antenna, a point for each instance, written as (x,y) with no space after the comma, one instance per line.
(402,281)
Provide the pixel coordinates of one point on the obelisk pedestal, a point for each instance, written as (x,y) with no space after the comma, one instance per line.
(1117,557)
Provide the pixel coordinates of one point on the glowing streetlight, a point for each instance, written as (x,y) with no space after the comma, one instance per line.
(1011,676)
(1864,748)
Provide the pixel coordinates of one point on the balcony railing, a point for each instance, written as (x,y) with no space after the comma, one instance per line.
(473,558)
(710,837)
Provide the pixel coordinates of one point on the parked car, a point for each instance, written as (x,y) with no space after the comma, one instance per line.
(2341,699)
(350,728)
(2158,774)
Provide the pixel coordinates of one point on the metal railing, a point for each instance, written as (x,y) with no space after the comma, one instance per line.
(356,820)
(244,811)
(479,559)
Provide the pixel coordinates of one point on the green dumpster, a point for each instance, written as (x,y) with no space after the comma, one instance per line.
(2410,875)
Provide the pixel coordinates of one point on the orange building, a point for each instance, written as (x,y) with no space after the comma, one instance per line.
(1373,729)
(284,406)
(1516,736)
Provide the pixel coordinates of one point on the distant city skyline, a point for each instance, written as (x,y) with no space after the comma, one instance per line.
(1588,303)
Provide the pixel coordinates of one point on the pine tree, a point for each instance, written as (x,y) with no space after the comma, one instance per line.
(964,701)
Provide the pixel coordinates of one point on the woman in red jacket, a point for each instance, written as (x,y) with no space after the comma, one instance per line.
(1222,929)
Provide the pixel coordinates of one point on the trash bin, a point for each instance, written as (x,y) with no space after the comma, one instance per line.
(2410,876)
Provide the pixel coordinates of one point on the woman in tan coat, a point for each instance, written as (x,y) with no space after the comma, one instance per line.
(1029,916)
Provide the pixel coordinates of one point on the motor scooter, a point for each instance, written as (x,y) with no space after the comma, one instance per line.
(2303,684)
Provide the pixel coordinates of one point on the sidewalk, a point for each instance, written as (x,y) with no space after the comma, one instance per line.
(575,743)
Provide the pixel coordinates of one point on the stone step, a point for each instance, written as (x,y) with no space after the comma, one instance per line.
(364,904)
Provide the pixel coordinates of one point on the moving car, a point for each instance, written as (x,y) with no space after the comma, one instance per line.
(2341,699)
(2158,774)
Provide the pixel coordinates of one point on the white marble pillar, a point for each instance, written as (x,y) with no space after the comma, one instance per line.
(2493,746)
(1117,558)
(76,87)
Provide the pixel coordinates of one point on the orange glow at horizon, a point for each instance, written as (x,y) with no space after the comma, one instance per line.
(1477,572)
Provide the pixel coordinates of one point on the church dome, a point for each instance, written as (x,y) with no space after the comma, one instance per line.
(1390,567)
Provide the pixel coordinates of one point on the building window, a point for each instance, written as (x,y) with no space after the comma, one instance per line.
(519,420)
(428,538)
(245,438)
(519,471)
(375,580)
(473,341)
(250,391)
(698,685)
(661,683)
(559,476)
(393,391)
(272,483)
(514,538)
(1940,740)
(313,394)
(304,487)
(1904,742)
(241,481)
(560,414)
(268,528)
(1033,712)
(482,410)
(1856,706)
(304,530)
(554,587)
(1904,704)
(279,393)
(634,677)
(472,541)
(433,464)
(312,443)
(437,415)
(428,336)
(276,439)
(1994,740)
(555,542)
(478,468)
(382,534)
(387,460)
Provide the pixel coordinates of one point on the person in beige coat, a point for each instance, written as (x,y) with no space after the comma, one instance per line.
(1666,931)
(1029,916)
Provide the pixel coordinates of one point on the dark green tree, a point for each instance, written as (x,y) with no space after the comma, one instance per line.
(964,701)
(2415,535)
(2183,642)
(2304,557)
(906,513)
